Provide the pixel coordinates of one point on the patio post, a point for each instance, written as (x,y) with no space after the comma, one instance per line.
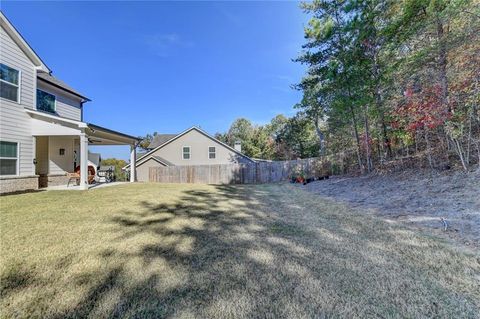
(133,162)
(83,161)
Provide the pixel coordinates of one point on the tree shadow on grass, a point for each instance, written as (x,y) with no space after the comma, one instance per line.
(15,278)
(248,252)
(214,242)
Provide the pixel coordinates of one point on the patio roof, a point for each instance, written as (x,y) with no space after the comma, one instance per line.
(99,135)
(44,124)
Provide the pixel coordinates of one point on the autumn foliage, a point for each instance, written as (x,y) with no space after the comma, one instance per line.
(421,110)
(394,79)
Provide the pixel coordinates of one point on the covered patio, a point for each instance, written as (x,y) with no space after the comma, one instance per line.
(62,146)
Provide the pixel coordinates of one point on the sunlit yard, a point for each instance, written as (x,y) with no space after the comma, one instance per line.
(186,251)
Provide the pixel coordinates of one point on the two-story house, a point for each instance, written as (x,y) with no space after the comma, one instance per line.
(42,132)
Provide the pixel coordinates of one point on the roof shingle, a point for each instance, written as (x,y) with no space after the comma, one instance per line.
(159,139)
(164,161)
(60,84)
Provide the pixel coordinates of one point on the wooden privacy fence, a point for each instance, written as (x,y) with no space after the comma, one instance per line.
(254,173)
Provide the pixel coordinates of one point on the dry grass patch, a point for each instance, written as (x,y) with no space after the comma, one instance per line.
(186,251)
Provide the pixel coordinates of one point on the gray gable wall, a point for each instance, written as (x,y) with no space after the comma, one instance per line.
(199,144)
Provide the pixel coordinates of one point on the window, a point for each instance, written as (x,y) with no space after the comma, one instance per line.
(186,152)
(8,158)
(211,152)
(9,83)
(45,101)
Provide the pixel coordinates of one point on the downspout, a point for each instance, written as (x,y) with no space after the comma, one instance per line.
(81,109)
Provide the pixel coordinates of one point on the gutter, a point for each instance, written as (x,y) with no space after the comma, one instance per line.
(85,99)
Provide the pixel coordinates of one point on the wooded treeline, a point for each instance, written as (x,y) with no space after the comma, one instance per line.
(385,80)
(390,79)
(281,139)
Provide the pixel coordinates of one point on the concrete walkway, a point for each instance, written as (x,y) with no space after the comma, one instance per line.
(77,187)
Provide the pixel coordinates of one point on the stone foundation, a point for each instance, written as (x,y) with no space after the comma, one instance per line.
(12,184)
(56,180)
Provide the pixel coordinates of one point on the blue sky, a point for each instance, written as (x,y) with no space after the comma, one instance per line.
(165,66)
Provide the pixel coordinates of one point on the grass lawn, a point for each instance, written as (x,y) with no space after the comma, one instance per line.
(268,251)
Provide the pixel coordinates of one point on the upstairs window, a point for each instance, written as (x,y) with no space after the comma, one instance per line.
(9,83)
(45,101)
(8,158)
(211,152)
(186,152)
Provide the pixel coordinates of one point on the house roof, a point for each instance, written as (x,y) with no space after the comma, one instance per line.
(140,154)
(44,71)
(60,84)
(23,44)
(148,154)
(155,158)
(159,139)
(162,160)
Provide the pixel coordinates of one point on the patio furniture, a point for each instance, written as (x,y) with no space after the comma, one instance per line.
(106,174)
(74,176)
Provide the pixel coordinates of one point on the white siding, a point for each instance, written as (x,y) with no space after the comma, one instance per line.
(67,106)
(14,122)
(60,164)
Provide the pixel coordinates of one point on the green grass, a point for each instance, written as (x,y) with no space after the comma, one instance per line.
(152,250)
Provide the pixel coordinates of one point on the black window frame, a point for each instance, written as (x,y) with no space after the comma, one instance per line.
(10,158)
(8,83)
(54,102)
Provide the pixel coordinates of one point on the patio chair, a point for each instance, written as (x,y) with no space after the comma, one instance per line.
(74,176)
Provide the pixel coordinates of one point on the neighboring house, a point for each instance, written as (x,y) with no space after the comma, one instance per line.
(42,133)
(191,147)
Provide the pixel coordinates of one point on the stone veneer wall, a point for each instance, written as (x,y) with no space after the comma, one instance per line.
(11,184)
(59,179)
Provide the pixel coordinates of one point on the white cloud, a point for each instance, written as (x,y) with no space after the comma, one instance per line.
(284,89)
(287,78)
(163,44)
(232,17)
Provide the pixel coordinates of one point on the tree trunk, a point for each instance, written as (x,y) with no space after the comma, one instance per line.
(378,103)
(415,138)
(469,139)
(429,153)
(442,64)
(478,152)
(386,140)
(379,152)
(357,139)
(460,154)
(367,140)
(321,136)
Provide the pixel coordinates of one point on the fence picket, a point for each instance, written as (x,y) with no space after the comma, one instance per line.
(255,173)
